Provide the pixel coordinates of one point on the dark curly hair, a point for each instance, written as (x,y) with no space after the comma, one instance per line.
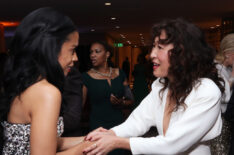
(33,55)
(190,59)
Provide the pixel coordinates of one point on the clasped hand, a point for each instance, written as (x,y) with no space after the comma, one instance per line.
(104,142)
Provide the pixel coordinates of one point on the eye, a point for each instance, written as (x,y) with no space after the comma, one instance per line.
(160,47)
(97,51)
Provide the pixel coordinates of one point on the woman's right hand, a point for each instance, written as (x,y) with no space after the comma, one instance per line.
(92,136)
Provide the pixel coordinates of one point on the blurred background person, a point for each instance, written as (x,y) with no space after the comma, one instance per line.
(227,48)
(126,67)
(221,144)
(105,89)
(140,86)
(229,115)
(224,143)
(72,101)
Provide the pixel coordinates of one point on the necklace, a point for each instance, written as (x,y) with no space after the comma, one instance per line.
(103,74)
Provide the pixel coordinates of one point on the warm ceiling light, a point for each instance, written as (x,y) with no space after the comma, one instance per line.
(113,18)
(9,23)
(107,4)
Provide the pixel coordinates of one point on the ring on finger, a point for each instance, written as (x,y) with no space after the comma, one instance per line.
(95,145)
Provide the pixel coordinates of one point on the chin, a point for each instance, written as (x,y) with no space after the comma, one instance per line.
(159,75)
(65,73)
(94,65)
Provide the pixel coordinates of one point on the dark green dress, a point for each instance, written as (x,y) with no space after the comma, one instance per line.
(103,113)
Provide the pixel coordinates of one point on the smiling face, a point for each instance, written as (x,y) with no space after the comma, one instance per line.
(160,56)
(98,55)
(68,55)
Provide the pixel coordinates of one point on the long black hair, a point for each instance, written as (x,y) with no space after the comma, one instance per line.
(33,55)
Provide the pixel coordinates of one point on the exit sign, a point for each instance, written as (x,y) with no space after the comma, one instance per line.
(118,44)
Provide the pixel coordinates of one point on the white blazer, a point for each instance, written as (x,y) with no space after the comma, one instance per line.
(188,130)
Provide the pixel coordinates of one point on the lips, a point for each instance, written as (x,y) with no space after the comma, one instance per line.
(155,66)
(69,68)
(93,61)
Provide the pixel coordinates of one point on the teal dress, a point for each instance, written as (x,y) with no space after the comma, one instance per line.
(103,113)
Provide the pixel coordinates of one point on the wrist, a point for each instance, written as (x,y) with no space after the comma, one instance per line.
(122,143)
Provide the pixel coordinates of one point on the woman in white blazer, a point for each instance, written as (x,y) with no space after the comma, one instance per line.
(184,103)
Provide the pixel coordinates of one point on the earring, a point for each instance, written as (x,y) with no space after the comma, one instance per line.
(106,65)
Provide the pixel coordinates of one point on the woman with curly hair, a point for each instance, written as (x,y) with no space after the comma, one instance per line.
(41,54)
(184,103)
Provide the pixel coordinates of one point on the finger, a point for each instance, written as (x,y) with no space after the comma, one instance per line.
(90,148)
(114,97)
(93,151)
(90,135)
(100,153)
(87,137)
(101,129)
(96,136)
(116,100)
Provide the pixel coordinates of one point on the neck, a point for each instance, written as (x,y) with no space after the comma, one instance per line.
(102,69)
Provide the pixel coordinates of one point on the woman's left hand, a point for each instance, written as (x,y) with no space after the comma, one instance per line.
(102,146)
(116,101)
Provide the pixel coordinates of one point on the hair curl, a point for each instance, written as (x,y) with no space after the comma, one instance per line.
(33,55)
(190,59)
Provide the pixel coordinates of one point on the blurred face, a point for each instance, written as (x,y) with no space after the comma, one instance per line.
(68,55)
(228,58)
(98,55)
(160,57)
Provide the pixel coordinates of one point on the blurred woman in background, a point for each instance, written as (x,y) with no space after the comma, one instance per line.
(106,88)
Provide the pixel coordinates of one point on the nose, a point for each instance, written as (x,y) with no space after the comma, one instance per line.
(92,54)
(74,58)
(153,53)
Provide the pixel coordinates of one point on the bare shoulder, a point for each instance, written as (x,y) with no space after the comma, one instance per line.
(42,93)
(43,89)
